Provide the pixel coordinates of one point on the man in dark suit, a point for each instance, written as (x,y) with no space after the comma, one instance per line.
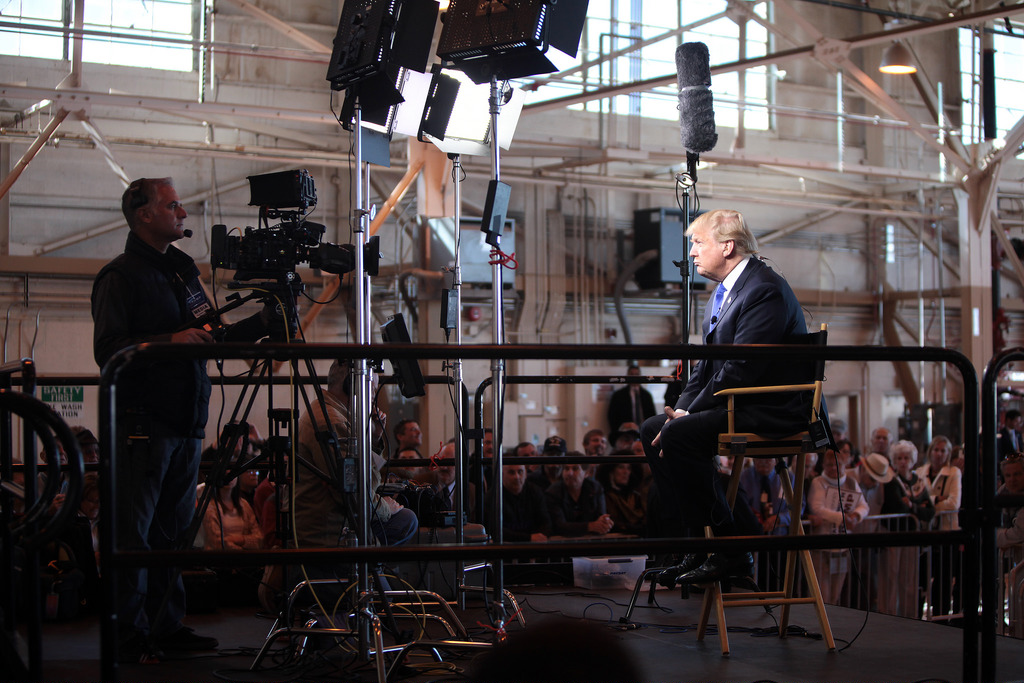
(752,305)
(631,403)
(1009,440)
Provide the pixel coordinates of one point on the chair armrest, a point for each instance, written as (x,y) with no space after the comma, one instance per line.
(772,389)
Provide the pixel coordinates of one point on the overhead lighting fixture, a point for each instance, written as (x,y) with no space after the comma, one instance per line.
(897,60)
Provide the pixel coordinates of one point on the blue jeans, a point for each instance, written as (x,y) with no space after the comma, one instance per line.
(156,499)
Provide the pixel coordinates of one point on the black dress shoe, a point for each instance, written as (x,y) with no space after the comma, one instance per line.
(718,567)
(670,575)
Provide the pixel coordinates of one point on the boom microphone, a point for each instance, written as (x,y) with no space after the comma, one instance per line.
(696,105)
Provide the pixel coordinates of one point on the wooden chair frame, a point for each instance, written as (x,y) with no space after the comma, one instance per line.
(743,445)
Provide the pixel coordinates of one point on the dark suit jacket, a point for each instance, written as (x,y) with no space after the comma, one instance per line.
(760,309)
(1004,444)
(620,407)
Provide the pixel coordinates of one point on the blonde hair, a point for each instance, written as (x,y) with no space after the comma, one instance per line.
(725,225)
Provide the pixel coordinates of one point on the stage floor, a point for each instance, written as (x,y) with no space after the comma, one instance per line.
(665,645)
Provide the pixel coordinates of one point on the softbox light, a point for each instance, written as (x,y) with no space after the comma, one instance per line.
(375,39)
(509,38)
(456,115)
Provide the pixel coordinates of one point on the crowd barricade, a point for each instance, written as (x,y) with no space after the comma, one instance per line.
(1011,591)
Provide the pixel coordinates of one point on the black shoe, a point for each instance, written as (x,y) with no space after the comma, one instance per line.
(670,575)
(136,649)
(186,639)
(718,567)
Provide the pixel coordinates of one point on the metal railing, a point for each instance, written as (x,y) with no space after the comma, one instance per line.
(970,536)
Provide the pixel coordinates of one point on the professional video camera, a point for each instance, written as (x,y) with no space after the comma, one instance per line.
(276,251)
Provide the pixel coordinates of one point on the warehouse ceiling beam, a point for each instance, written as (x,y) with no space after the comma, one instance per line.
(280,26)
(780,57)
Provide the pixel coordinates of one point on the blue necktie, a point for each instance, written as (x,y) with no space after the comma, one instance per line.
(716,304)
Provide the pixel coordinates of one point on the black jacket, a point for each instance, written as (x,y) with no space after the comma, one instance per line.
(145,296)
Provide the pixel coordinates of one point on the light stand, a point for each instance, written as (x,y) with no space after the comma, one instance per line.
(457,381)
(497,368)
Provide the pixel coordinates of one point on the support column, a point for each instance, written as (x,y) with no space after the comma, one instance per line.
(975,241)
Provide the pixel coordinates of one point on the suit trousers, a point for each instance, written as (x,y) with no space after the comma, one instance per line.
(686,475)
(156,499)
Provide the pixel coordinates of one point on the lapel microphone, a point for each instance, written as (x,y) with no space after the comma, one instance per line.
(186,232)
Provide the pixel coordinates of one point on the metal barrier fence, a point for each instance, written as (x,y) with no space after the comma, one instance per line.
(969,537)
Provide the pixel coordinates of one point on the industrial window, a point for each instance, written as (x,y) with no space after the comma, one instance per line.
(147,33)
(1008,49)
(613,25)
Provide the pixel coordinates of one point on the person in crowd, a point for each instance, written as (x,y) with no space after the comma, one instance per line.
(752,304)
(946,484)
(1009,440)
(631,403)
(625,502)
(408,436)
(840,432)
(525,516)
(810,472)
(835,504)
(881,439)
(909,495)
(480,463)
(1010,535)
(546,475)
(625,436)
(321,514)
(761,489)
(419,473)
(88,444)
(230,522)
(872,473)
(152,293)
(447,486)
(526,449)
(81,535)
(595,445)
(576,504)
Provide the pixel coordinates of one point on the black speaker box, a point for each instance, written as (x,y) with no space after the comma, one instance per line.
(662,229)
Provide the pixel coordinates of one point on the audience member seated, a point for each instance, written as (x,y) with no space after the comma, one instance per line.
(446,485)
(230,524)
(81,535)
(321,508)
(594,445)
(835,504)
(88,444)
(418,474)
(546,475)
(576,503)
(480,463)
(906,494)
(624,501)
(525,516)
(625,436)
(408,436)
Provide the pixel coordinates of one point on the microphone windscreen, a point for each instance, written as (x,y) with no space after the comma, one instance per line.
(697,120)
(693,65)
(186,232)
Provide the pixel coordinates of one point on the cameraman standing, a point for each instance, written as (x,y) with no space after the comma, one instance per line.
(152,293)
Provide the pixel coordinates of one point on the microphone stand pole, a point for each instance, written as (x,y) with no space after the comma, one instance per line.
(497,371)
(686,181)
